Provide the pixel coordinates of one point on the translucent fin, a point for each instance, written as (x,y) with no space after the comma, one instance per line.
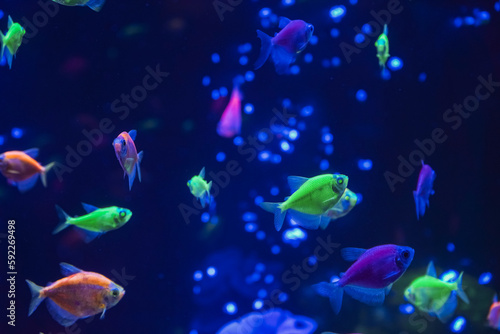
(9,22)
(391,274)
(36,299)
(89,235)
(89,208)
(132,134)
(431,271)
(385,32)
(332,291)
(311,222)
(460,291)
(446,312)
(96,5)
(283,22)
(68,269)
(2,49)
(279,217)
(325,221)
(351,253)
(265,49)
(388,289)
(32,152)
(138,164)
(44,173)
(64,318)
(63,218)
(365,295)
(295,182)
(27,184)
(8,57)
(282,59)
(102,314)
(131,177)
(202,173)
(420,205)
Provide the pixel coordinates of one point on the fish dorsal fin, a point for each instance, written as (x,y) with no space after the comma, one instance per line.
(68,270)
(283,22)
(202,173)
(10,23)
(385,33)
(89,208)
(132,134)
(295,182)
(431,271)
(351,253)
(32,152)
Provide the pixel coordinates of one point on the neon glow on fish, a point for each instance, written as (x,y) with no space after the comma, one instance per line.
(127,155)
(424,189)
(230,121)
(95,5)
(200,188)
(11,41)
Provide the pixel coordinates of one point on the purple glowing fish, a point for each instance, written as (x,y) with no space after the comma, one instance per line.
(230,121)
(285,45)
(370,278)
(424,189)
(127,155)
(494,314)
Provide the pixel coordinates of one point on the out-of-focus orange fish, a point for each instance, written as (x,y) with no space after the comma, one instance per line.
(230,121)
(79,295)
(127,155)
(22,170)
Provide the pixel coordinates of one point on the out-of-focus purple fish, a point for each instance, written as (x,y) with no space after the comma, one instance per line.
(275,321)
(424,189)
(230,121)
(494,314)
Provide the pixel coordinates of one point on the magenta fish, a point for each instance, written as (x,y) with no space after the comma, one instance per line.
(230,121)
(285,45)
(424,189)
(127,155)
(494,314)
(370,278)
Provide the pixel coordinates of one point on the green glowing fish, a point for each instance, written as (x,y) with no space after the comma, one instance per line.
(382,45)
(310,199)
(200,188)
(342,208)
(96,221)
(93,4)
(434,296)
(11,41)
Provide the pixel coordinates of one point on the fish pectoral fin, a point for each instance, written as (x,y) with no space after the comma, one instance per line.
(308,221)
(103,311)
(391,274)
(295,182)
(445,312)
(352,253)
(63,317)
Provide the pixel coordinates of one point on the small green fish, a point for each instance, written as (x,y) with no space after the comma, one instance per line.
(434,296)
(310,199)
(200,188)
(93,4)
(342,208)
(96,221)
(382,45)
(12,40)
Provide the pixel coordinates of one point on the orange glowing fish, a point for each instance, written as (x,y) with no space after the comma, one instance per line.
(22,170)
(79,295)
(230,121)
(127,155)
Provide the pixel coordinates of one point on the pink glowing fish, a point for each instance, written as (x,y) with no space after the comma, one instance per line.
(127,155)
(494,314)
(424,189)
(230,121)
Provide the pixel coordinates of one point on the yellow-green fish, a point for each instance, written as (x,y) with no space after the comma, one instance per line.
(310,199)
(342,208)
(93,4)
(200,188)
(96,221)
(434,296)
(382,45)
(11,41)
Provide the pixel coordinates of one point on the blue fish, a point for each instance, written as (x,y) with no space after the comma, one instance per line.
(424,189)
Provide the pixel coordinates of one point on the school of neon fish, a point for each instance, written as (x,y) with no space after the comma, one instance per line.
(313,203)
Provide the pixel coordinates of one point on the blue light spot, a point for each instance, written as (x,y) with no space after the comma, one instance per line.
(16,133)
(257,304)
(395,63)
(223,91)
(261,235)
(422,77)
(449,276)
(215,58)
(325,63)
(249,76)
(458,325)
(2,140)
(324,164)
(457,22)
(283,297)
(205,217)
(328,149)
(264,155)
(215,94)
(214,220)
(337,12)
(306,111)
(336,61)
(367,29)
(287,2)
(269,279)
(1,14)
(353,2)
(198,275)
(295,69)
(406,308)
(196,289)
(221,156)
(275,191)
(334,279)
(243,60)
(334,32)
(485,278)
(276,159)
(360,198)
(308,57)
(293,135)
(275,249)
(244,48)
(205,81)
(294,234)
(497,6)
(301,126)
(263,136)
(262,293)
(385,74)
(312,260)
(469,20)
(260,267)
(264,12)
(313,40)
(238,141)
(248,108)
(287,103)
(265,23)
(361,95)
(359,38)
(285,146)
(193,331)
(365,164)
(249,217)
(258,200)
(250,227)
(211,271)
(450,247)
(230,308)
(483,17)
(292,121)
(327,138)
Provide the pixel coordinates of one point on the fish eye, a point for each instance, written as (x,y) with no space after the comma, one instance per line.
(406,255)
(115,292)
(340,181)
(347,198)
(122,213)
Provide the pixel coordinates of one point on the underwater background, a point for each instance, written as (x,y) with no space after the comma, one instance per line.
(188,269)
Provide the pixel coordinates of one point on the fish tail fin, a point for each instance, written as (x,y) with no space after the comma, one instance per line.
(138,164)
(265,49)
(36,298)
(44,172)
(332,291)
(460,290)
(2,45)
(420,205)
(279,215)
(95,5)
(206,198)
(64,218)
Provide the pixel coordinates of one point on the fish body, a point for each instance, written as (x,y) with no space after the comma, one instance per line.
(230,121)
(200,188)
(127,155)
(285,45)
(339,210)
(424,189)
(494,314)
(310,199)
(95,5)
(382,44)
(370,278)
(22,170)
(79,295)
(11,41)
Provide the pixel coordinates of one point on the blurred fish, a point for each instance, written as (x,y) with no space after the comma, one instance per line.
(494,314)
(274,321)
(285,45)
(370,278)
(96,222)
(95,5)
(230,121)
(200,188)
(127,155)
(382,44)
(79,295)
(12,40)
(22,170)
(342,208)
(434,296)
(424,189)
(310,199)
